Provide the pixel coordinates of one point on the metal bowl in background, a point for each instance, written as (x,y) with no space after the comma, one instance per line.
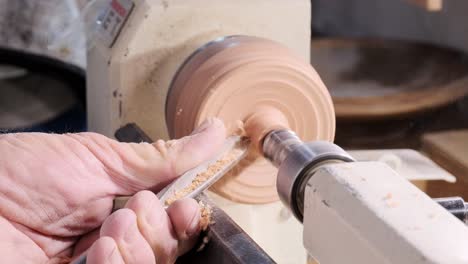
(42,79)
(39,93)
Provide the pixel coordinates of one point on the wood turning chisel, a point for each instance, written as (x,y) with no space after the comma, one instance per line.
(195,181)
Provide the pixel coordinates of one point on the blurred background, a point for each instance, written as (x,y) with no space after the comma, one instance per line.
(42,66)
(397,71)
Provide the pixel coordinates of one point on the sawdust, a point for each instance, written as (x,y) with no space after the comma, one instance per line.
(204,176)
(390,202)
(206,219)
(388,196)
(206,213)
(239,129)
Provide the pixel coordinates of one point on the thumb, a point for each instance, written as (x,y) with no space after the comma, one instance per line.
(137,166)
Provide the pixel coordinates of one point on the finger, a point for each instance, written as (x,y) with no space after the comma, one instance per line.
(185,218)
(104,251)
(82,174)
(201,145)
(135,167)
(86,242)
(122,227)
(166,234)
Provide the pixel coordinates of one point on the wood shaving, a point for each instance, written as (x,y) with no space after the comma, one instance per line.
(206,213)
(205,241)
(393,204)
(204,176)
(206,219)
(239,128)
(390,201)
(388,196)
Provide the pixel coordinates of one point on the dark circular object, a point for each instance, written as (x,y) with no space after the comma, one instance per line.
(42,77)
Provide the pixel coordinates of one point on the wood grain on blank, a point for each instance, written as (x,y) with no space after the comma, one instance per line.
(450,150)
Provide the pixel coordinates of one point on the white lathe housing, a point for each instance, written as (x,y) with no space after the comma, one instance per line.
(128,80)
(364,212)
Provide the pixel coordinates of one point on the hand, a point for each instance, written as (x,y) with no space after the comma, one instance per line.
(57,190)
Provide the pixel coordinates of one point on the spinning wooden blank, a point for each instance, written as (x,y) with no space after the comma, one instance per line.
(232,79)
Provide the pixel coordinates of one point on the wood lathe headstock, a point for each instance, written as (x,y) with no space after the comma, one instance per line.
(167,67)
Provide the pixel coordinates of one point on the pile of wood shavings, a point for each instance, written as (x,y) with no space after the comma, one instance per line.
(206,213)
(204,176)
(206,219)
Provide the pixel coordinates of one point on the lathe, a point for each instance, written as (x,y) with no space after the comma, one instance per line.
(168,65)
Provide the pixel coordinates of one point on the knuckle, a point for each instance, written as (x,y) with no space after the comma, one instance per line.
(146,196)
(116,224)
